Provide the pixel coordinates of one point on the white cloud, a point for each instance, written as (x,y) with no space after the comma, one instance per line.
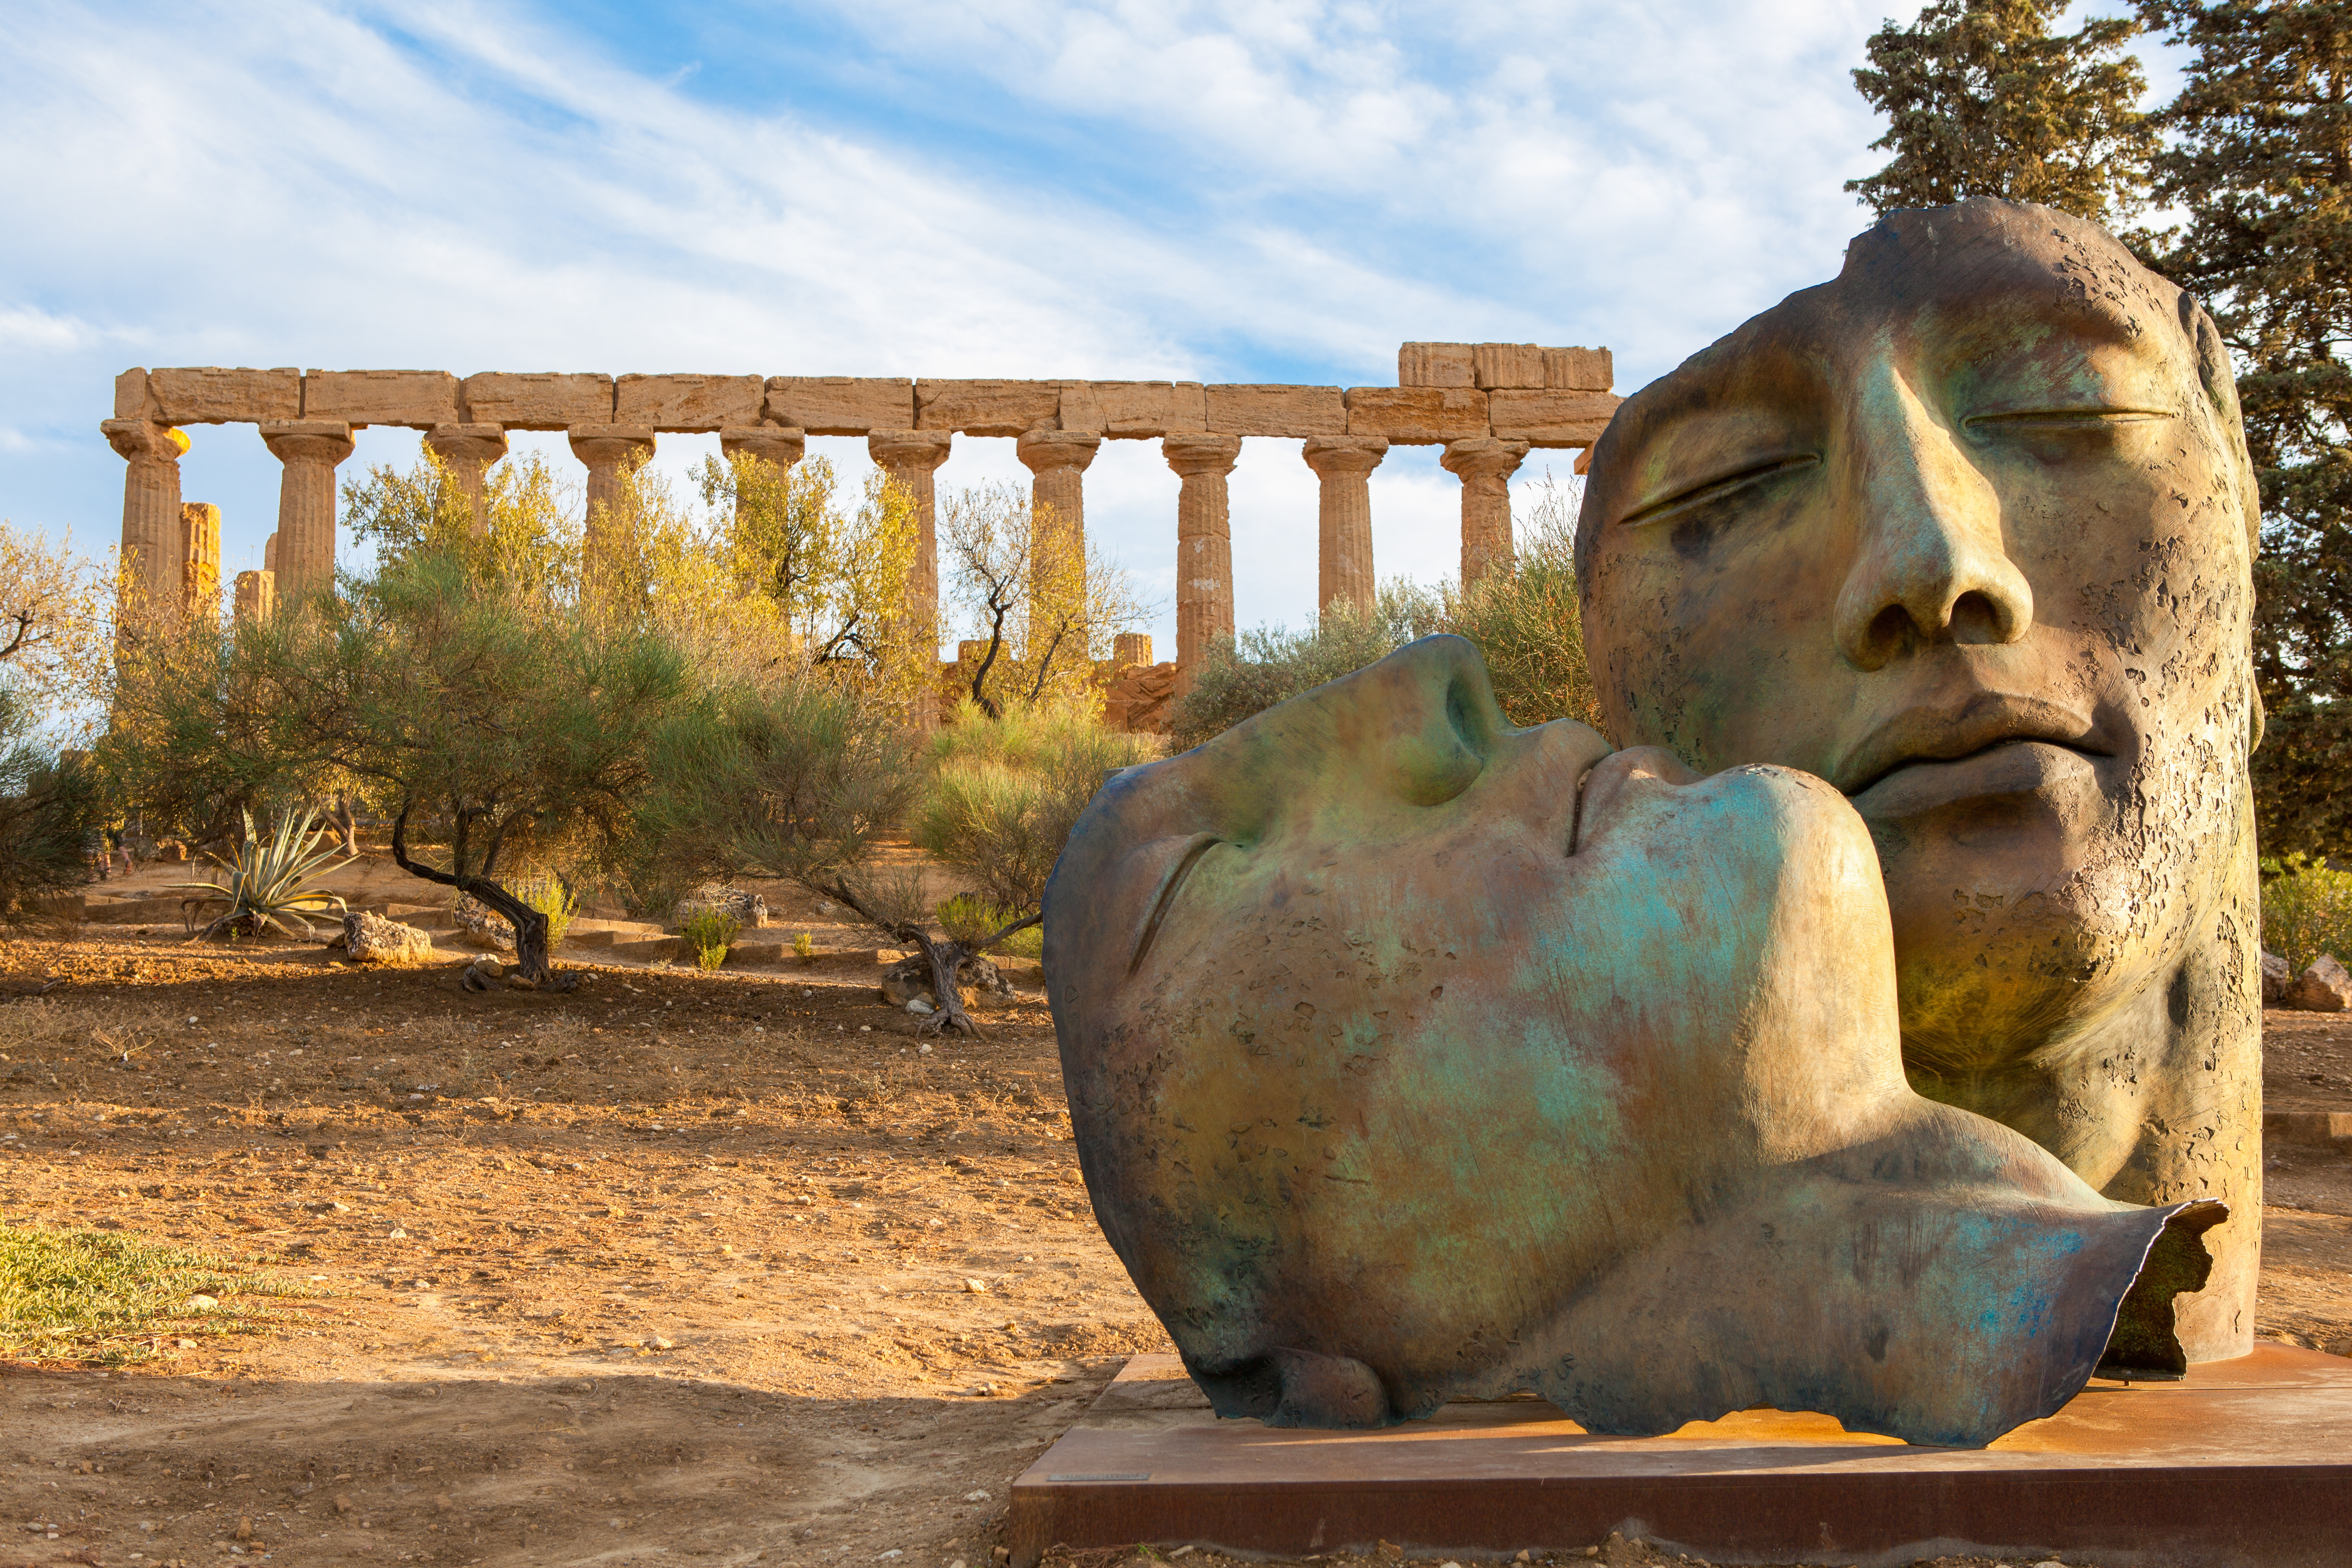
(1216,191)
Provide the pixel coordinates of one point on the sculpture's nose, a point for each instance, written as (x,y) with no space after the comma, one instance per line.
(1930,563)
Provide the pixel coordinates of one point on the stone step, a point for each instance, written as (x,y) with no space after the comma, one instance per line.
(2321,1127)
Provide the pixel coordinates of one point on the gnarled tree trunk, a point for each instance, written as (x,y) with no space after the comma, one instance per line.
(530,925)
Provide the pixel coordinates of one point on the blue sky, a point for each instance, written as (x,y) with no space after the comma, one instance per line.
(1259,191)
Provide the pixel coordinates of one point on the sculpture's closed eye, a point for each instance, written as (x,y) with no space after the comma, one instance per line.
(1692,497)
(1179,866)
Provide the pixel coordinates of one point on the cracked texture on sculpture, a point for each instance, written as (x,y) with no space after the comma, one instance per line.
(1413,1055)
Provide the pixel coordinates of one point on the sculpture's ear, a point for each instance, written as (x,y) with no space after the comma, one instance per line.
(2220,385)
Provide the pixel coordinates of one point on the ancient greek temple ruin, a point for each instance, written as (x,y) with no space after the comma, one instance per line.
(1486,404)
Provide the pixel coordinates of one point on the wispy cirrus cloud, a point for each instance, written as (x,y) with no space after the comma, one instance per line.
(1264,191)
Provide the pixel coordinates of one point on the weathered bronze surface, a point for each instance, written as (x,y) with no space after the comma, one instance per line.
(1413,1055)
(1967,532)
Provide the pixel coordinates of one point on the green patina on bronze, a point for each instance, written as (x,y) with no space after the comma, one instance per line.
(1413,1055)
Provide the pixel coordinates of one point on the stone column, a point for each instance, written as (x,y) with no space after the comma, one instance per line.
(200,529)
(611,452)
(466,451)
(1344,553)
(777,444)
(1058,459)
(257,595)
(311,448)
(1204,546)
(151,507)
(270,554)
(912,459)
(1485,465)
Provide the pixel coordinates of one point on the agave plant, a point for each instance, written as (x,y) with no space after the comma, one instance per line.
(267,882)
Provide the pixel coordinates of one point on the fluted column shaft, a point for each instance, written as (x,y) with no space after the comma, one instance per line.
(912,458)
(467,451)
(310,450)
(1344,518)
(200,549)
(1058,459)
(1204,546)
(257,595)
(150,507)
(612,452)
(1485,466)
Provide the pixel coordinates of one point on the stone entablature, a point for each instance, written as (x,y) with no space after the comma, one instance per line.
(1488,404)
(1445,392)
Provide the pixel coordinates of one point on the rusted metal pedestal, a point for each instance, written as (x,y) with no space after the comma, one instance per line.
(2248,1464)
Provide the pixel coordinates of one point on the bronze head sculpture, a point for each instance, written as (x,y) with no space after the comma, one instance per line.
(1968,532)
(1413,1055)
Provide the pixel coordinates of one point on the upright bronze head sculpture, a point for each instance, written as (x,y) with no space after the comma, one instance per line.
(1967,532)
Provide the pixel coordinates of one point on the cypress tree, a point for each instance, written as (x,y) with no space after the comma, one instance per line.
(2259,158)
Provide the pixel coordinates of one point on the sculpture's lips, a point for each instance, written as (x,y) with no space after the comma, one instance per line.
(1954,732)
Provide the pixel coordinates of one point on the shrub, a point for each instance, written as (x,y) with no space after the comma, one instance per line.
(2306,910)
(549,897)
(50,813)
(268,881)
(971,921)
(710,932)
(1267,665)
(1005,794)
(1523,619)
(805,946)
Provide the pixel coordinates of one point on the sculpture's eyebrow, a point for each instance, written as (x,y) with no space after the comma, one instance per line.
(1764,373)
(2009,319)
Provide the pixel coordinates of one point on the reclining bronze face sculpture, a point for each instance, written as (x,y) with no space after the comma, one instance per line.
(1412,1057)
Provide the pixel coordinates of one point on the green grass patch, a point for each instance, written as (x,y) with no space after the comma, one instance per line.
(94,1296)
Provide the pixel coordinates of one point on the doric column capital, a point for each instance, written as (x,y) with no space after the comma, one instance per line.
(133,438)
(1192,453)
(782,445)
(900,449)
(1052,451)
(1484,457)
(457,444)
(1328,455)
(608,446)
(325,441)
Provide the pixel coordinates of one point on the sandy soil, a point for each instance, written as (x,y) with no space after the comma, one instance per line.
(679,1265)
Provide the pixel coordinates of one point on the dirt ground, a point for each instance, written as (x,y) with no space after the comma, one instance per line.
(727,1266)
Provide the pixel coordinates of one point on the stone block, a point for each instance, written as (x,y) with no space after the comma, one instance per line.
(1134,408)
(688,402)
(1550,418)
(1579,370)
(418,398)
(130,396)
(1433,365)
(841,405)
(1263,409)
(2325,987)
(1507,364)
(215,396)
(988,407)
(1417,416)
(537,401)
(2278,979)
